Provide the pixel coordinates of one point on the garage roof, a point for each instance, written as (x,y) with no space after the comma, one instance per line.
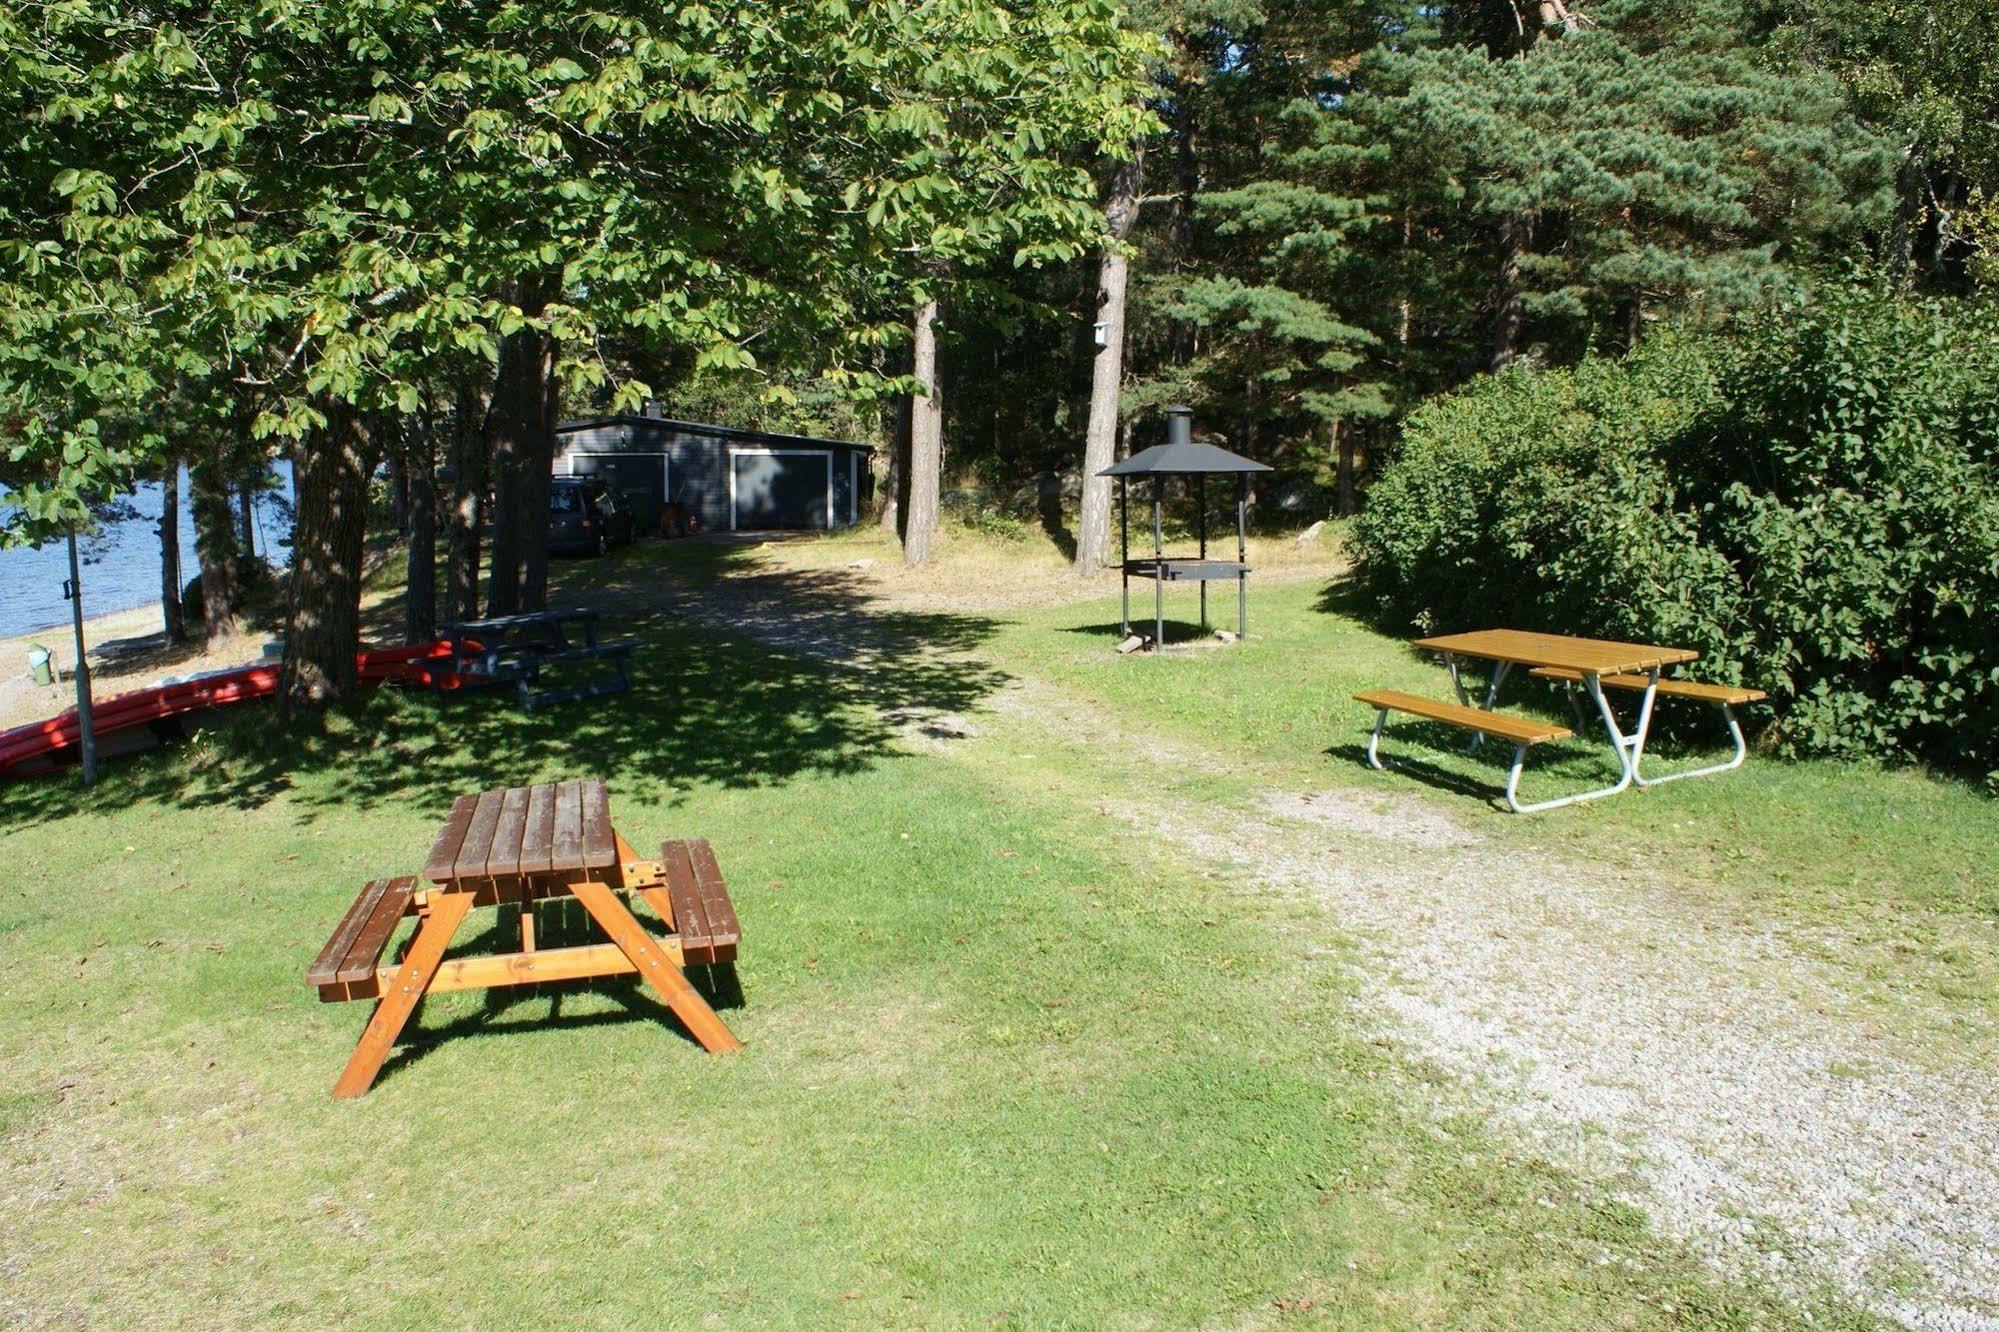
(716,431)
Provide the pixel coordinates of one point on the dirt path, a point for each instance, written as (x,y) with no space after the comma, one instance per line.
(1698,1068)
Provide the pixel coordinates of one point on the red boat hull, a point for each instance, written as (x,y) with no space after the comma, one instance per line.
(43,746)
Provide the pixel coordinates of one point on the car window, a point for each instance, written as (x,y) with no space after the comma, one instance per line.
(565,499)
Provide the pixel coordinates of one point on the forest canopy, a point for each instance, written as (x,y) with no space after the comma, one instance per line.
(992,236)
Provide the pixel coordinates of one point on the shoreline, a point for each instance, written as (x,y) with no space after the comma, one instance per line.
(127,651)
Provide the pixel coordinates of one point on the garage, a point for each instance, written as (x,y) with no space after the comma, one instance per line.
(722,478)
(783,489)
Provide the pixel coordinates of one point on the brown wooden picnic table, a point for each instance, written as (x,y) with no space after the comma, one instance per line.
(522,845)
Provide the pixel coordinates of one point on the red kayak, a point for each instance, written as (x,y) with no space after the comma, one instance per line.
(125,722)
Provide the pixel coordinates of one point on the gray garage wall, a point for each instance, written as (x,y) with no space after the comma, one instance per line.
(698,460)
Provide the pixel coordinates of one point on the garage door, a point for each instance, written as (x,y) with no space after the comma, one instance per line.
(780,488)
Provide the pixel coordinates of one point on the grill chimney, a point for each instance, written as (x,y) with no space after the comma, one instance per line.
(1179,425)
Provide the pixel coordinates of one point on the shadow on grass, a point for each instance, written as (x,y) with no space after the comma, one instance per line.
(559,923)
(738,681)
(1411,749)
(1109,630)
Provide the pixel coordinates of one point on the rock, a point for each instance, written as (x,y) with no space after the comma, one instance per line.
(1131,644)
(862,564)
(1225,635)
(1312,533)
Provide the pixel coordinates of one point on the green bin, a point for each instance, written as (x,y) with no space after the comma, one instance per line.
(38,665)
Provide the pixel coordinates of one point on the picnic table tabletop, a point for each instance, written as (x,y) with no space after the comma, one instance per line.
(552,828)
(1592,656)
(541,619)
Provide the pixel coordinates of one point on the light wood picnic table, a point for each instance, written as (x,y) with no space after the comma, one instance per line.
(522,845)
(1591,658)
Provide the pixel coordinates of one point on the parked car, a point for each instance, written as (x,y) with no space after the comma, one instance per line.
(586,517)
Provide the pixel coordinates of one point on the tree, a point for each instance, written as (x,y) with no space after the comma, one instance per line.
(1093,527)
(1922,75)
(1641,163)
(173,626)
(970,163)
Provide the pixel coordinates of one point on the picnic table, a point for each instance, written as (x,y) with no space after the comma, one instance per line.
(523,845)
(1588,664)
(514,649)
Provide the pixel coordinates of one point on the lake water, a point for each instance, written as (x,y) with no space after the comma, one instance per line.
(121,560)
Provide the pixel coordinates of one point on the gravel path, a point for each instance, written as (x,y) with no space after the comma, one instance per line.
(1689,1064)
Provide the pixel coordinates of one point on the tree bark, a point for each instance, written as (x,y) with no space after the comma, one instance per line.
(323,617)
(468,498)
(895,485)
(1516,232)
(926,441)
(247,515)
(419,468)
(1343,452)
(1093,527)
(399,483)
(511,424)
(173,625)
(215,546)
(537,461)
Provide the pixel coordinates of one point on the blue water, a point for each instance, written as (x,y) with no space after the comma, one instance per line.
(121,560)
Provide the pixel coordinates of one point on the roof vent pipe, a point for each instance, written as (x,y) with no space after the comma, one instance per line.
(1179,425)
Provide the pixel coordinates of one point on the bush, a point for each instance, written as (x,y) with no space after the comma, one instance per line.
(1814,506)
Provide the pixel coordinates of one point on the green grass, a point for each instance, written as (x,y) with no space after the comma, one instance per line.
(1901,865)
(1003,1067)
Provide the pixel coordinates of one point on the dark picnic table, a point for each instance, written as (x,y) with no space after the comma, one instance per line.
(514,649)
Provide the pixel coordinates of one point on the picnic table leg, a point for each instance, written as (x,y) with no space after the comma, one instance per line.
(1708,770)
(655,966)
(399,999)
(1500,670)
(1628,748)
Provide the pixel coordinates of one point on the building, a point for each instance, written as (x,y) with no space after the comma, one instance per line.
(726,479)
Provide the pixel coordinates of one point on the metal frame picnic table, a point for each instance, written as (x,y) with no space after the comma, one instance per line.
(522,845)
(1591,658)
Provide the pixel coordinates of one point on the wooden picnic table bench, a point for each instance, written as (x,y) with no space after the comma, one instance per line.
(1589,664)
(1725,698)
(522,845)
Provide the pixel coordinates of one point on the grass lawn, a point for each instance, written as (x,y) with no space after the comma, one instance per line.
(1899,868)
(1003,1066)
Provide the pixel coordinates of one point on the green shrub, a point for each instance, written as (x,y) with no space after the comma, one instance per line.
(1814,506)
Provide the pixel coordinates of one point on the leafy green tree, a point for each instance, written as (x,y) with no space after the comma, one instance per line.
(1923,75)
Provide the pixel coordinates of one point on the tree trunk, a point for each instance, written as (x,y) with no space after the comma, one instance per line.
(895,485)
(173,626)
(537,461)
(323,618)
(215,545)
(1187,150)
(511,423)
(1516,232)
(399,482)
(1343,452)
(419,468)
(248,515)
(468,498)
(1093,527)
(926,441)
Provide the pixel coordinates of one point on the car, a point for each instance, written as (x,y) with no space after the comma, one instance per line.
(586,517)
